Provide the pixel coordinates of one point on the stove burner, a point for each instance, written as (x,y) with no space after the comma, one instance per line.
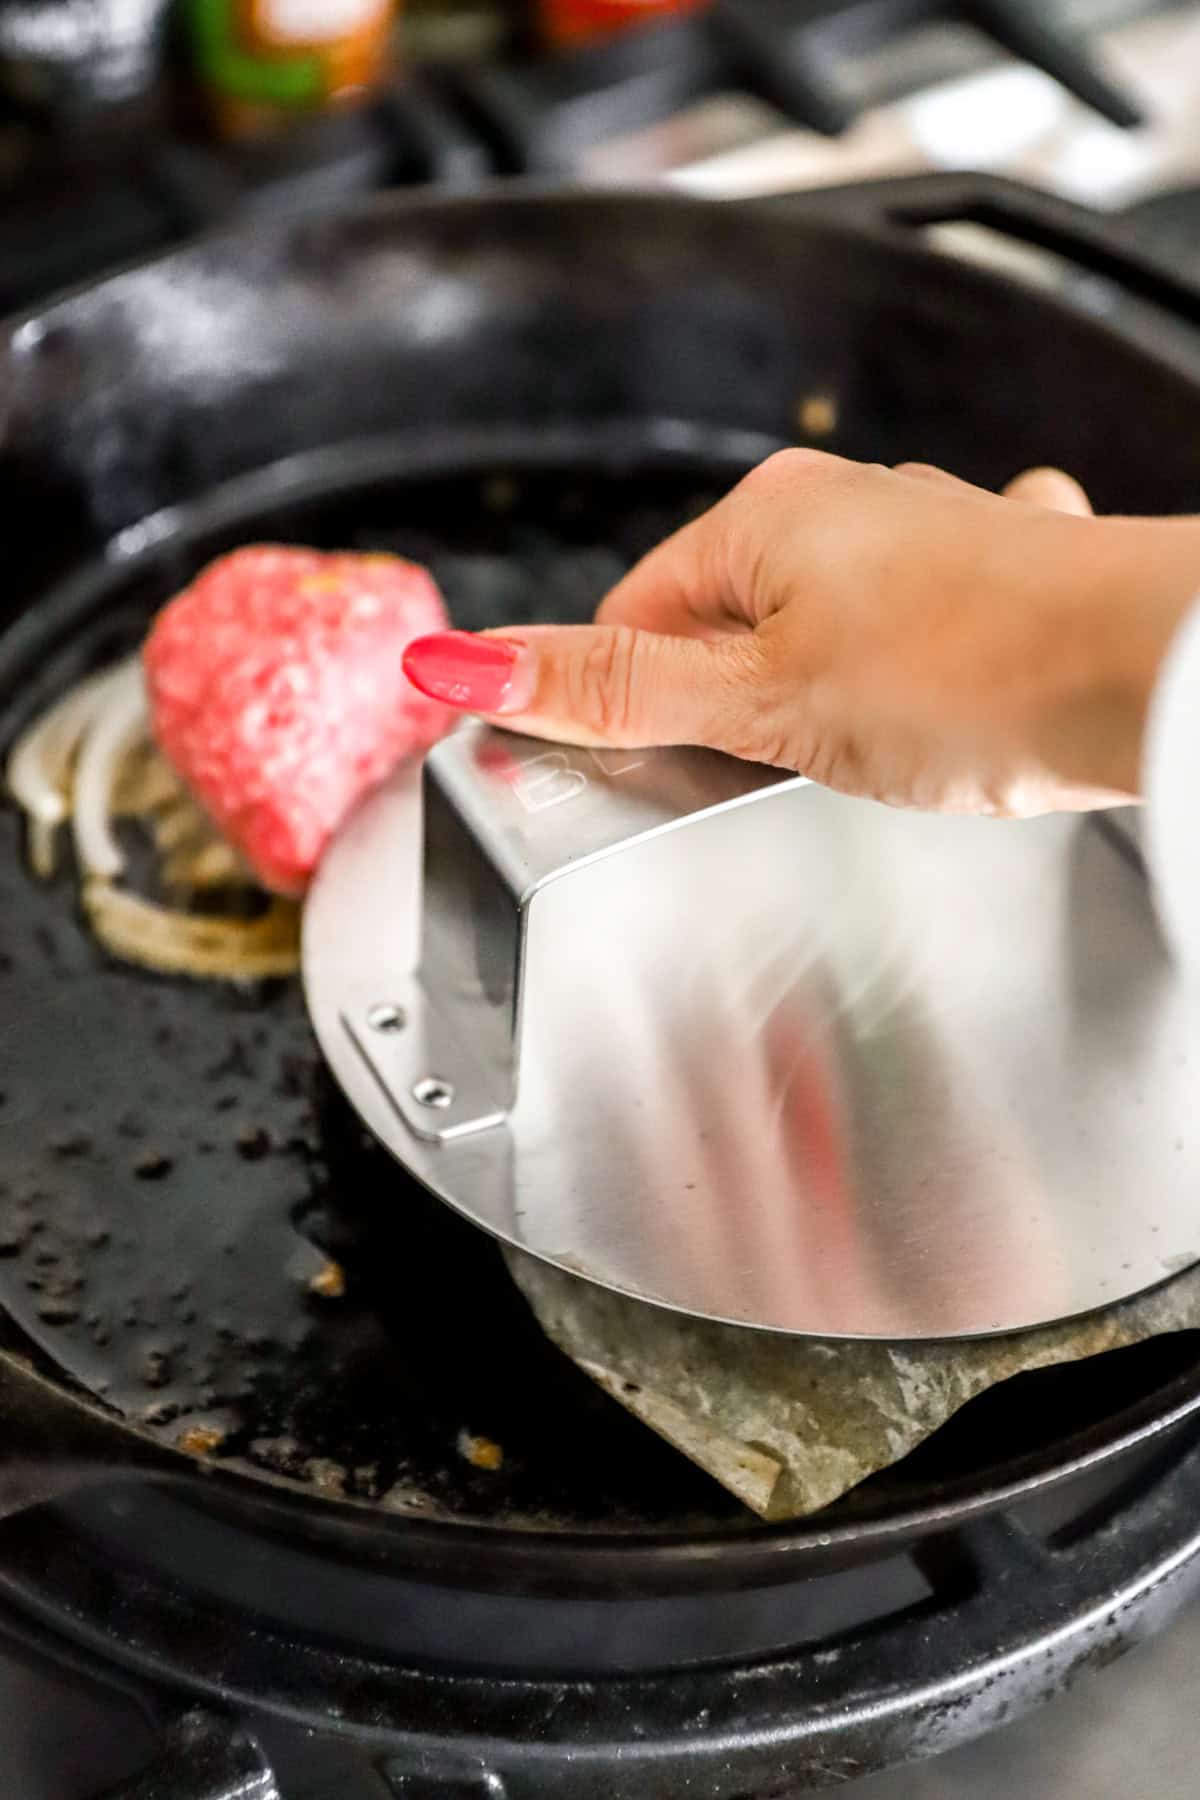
(344,1717)
(400,1682)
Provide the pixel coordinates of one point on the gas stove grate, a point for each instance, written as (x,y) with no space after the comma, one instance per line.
(84,205)
(542,116)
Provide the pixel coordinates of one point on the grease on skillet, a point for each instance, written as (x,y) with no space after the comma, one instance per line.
(178,1174)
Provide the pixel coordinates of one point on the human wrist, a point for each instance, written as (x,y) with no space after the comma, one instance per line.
(1125,586)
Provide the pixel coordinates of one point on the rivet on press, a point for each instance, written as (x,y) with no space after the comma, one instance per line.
(386,1017)
(432,1091)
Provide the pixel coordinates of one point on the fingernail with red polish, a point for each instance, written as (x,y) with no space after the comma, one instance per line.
(478,674)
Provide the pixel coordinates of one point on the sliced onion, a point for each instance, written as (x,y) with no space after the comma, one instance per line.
(181,943)
(147,784)
(91,759)
(39,766)
(122,720)
(197,870)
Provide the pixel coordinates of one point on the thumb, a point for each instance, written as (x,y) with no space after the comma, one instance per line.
(1052,488)
(597,684)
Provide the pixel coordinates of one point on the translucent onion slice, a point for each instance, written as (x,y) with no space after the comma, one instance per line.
(181,943)
(39,767)
(91,759)
(213,865)
(147,784)
(121,722)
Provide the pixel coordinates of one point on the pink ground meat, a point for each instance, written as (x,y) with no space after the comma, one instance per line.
(277,692)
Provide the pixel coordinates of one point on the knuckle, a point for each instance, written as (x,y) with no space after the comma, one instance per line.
(1042,472)
(604,680)
(787,468)
(792,478)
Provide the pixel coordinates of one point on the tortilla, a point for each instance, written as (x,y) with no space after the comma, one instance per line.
(789,1425)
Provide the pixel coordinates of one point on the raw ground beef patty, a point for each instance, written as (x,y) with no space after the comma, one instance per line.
(277,691)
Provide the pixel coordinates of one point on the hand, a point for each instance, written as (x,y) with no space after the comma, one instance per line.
(897,634)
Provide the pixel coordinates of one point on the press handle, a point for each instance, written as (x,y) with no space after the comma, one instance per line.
(504,817)
(532,809)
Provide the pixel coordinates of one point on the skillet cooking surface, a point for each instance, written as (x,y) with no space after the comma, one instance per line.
(163,1205)
(176,1161)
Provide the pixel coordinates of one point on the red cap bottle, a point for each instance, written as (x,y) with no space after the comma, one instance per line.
(570,22)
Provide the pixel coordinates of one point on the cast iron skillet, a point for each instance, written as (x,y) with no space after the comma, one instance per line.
(524,388)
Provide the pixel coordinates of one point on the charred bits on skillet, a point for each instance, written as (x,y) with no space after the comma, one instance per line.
(186,1174)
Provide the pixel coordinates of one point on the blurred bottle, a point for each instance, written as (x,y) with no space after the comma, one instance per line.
(77,59)
(565,23)
(264,62)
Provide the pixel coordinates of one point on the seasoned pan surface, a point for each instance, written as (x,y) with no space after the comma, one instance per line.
(525,394)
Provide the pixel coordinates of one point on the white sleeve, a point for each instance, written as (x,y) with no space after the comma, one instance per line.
(1171,781)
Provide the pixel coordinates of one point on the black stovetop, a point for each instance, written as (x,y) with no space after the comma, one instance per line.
(1128,1730)
(74,1726)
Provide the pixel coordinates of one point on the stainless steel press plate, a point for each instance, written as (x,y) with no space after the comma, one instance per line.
(749,1049)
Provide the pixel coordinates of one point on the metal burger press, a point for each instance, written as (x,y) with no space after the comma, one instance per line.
(726,1041)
